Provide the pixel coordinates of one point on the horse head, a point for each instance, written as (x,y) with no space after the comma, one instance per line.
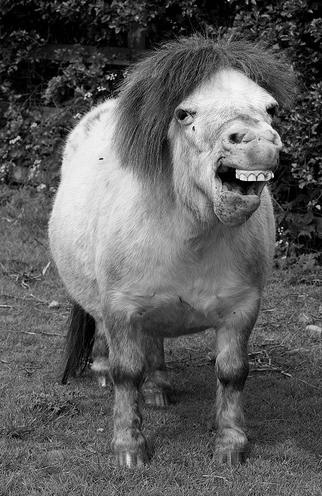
(224,149)
(199,116)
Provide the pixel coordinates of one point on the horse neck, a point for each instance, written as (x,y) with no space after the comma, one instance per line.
(171,214)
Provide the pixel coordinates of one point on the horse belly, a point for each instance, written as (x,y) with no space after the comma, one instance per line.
(182,301)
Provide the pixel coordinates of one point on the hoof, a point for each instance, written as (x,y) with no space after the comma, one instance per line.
(131,451)
(131,458)
(100,368)
(231,457)
(156,398)
(231,447)
(156,389)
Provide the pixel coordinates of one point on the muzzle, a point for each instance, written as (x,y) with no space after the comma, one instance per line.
(249,155)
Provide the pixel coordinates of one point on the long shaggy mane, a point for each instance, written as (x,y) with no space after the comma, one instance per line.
(155,86)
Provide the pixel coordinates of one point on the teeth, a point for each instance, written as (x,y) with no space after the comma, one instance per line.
(256,175)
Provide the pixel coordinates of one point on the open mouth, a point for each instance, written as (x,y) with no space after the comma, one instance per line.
(243,182)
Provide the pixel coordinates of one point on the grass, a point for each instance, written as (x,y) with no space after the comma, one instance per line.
(55,440)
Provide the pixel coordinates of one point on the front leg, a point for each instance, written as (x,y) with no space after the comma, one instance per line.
(127,360)
(232,370)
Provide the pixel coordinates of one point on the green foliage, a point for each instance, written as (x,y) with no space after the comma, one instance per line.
(33,135)
(30,143)
(294,27)
(42,100)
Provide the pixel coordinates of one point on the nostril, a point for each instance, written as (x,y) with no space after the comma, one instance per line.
(236,138)
(243,136)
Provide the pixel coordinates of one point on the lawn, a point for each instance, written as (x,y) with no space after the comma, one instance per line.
(55,440)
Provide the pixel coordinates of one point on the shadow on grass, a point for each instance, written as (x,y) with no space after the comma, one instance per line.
(278,410)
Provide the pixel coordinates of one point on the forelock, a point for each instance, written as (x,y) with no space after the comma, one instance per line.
(155,86)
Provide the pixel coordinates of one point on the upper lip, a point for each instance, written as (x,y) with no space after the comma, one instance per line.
(225,162)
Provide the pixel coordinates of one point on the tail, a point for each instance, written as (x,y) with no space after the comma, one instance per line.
(79,342)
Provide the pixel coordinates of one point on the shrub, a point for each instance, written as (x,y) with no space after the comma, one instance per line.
(42,100)
(294,28)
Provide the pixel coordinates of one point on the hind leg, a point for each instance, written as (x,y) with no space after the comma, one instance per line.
(156,385)
(100,354)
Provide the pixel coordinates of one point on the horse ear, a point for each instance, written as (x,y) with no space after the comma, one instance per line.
(184,117)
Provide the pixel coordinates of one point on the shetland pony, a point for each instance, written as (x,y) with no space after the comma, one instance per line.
(163,224)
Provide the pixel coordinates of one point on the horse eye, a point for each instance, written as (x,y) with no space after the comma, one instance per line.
(181,114)
(272,110)
(184,116)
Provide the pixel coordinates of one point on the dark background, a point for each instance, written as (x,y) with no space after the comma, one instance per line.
(58,59)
